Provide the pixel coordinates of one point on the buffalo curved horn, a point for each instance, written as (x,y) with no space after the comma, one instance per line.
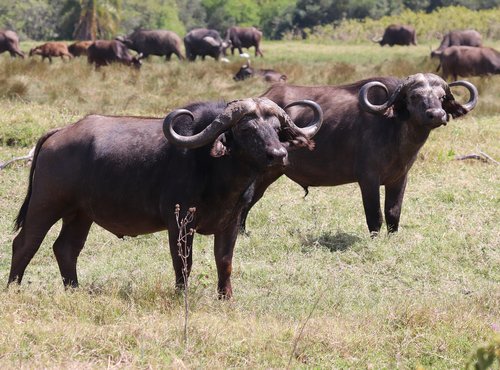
(312,128)
(472,91)
(229,117)
(365,103)
(211,41)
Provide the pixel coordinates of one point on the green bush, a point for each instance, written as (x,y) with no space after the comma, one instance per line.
(429,27)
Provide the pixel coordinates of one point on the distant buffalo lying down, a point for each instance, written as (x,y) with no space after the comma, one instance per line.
(9,41)
(104,52)
(51,49)
(269,75)
(79,48)
(154,42)
(372,132)
(396,34)
(468,61)
(127,174)
(203,42)
(459,38)
(243,37)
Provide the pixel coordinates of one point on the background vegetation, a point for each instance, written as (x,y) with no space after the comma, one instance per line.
(425,297)
(62,19)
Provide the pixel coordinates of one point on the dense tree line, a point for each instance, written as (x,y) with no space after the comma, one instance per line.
(83,19)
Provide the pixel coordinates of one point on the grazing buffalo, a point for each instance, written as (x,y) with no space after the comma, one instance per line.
(155,42)
(396,34)
(203,42)
(269,75)
(458,38)
(79,48)
(51,49)
(10,42)
(372,132)
(468,61)
(243,37)
(103,52)
(127,174)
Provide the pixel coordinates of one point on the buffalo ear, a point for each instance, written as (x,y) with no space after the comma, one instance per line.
(398,110)
(453,108)
(219,148)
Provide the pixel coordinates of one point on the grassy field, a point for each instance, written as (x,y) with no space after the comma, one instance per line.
(312,289)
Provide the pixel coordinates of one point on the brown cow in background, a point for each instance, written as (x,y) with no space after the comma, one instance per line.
(79,48)
(397,34)
(51,49)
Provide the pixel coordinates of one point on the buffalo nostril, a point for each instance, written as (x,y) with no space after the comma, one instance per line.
(276,155)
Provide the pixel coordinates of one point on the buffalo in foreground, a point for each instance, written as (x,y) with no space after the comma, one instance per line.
(9,41)
(269,75)
(396,34)
(104,52)
(154,42)
(121,173)
(372,132)
(459,38)
(243,37)
(469,61)
(52,49)
(203,42)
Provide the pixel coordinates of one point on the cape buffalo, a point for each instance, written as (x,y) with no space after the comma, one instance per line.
(396,34)
(269,75)
(154,42)
(468,61)
(10,42)
(372,132)
(203,42)
(122,174)
(103,52)
(79,48)
(51,49)
(243,37)
(459,38)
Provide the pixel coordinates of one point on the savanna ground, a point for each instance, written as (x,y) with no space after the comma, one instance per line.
(428,296)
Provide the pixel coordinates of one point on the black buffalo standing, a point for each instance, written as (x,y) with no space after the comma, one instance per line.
(154,42)
(104,52)
(203,42)
(396,34)
(372,132)
(459,38)
(121,173)
(468,61)
(243,37)
(10,42)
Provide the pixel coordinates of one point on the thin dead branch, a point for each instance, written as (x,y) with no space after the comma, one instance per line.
(481,156)
(27,157)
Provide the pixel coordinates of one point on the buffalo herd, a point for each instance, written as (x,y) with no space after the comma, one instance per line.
(221,157)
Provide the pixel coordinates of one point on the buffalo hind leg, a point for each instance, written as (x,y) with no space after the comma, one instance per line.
(393,201)
(68,246)
(223,250)
(26,244)
(370,191)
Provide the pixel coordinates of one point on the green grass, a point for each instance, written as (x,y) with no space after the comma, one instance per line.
(428,296)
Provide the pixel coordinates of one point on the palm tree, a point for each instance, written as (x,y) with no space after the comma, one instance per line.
(98,18)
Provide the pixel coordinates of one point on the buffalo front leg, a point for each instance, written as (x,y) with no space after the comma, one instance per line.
(68,246)
(370,191)
(393,201)
(223,250)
